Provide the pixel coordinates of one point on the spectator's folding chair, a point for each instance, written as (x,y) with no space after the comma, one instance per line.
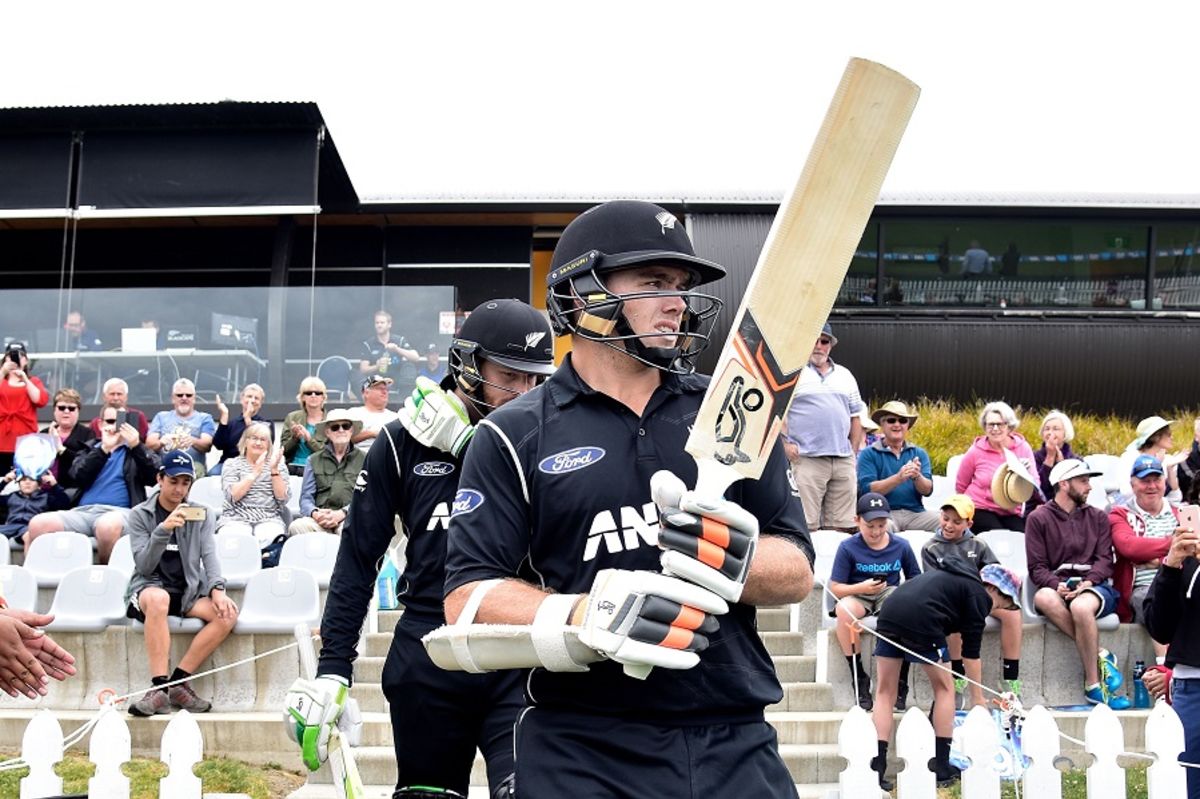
(277,600)
(89,599)
(52,555)
(316,552)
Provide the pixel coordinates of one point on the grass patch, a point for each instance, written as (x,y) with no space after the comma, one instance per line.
(1074,786)
(946,429)
(217,775)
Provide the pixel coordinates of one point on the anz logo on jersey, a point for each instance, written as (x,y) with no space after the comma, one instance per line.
(439,518)
(636,527)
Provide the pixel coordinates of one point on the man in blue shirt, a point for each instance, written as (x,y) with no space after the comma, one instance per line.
(899,470)
(183,427)
(112,477)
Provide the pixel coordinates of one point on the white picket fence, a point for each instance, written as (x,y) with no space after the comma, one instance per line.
(1041,742)
(109,748)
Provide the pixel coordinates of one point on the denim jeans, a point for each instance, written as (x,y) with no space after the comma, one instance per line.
(1185,698)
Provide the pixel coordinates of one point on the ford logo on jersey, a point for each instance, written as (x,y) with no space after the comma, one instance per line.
(465,501)
(570,460)
(433,469)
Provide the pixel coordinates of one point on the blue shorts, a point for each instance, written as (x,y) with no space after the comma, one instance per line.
(938,652)
(1107,596)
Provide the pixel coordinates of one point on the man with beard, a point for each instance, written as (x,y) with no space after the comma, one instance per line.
(1069,549)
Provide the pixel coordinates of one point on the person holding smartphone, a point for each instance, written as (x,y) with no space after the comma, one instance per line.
(866,570)
(21,394)
(176,573)
(1172,610)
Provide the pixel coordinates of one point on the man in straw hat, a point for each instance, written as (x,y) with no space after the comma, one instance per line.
(897,469)
(1069,549)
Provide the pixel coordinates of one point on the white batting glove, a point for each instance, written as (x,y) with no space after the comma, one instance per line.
(313,709)
(645,618)
(437,418)
(709,541)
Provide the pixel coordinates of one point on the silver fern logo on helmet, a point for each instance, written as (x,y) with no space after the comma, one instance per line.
(666,219)
(532,339)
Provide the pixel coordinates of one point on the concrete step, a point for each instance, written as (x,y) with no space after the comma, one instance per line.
(377,645)
(782,643)
(805,696)
(774,620)
(369,696)
(368,669)
(795,668)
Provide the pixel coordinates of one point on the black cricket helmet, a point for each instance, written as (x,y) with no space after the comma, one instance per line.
(619,235)
(509,333)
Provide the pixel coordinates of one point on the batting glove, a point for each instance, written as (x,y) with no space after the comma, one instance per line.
(709,541)
(314,708)
(437,418)
(645,618)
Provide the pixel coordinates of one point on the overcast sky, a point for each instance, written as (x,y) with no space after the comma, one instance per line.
(681,99)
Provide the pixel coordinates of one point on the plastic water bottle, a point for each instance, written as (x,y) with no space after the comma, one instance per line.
(1141,697)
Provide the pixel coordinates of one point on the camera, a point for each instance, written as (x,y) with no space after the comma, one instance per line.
(14,351)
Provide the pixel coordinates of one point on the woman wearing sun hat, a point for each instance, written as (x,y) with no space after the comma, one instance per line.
(1154,439)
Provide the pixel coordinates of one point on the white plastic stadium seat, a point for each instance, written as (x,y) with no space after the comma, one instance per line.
(316,552)
(825,544)
(917,539)
(295,483)
(952,468)
(942,488)
(207,491)
(277,600)
(89,599)
(240,557)
(121,557)
(1009,547)
(1110,465)
(19,587)
(6,555)
(52,555)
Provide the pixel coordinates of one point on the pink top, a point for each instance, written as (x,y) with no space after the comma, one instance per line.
(979,465)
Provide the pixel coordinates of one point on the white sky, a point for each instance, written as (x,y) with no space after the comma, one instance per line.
(682,99)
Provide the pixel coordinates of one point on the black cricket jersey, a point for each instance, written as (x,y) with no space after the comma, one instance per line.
(935,604)
(373,350)
(399,477)
(556,487)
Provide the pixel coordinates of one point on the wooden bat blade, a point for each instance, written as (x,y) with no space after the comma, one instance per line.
(799,272)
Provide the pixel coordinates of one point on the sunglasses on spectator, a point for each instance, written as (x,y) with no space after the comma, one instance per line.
(66,408)
(314,393)
(111,421)
(184,396)
(337,427)
(894,420)
(825,342)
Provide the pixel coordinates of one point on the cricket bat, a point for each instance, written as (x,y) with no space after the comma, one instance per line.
(347,783)
(798,274)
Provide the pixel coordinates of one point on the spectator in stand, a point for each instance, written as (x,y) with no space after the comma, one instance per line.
(21,394)
(1189,470)
(823,433)
(176,573)
(256,493)
(183,427)
(1141,535)
(433,367)
(329,478)
(955,541)
(897,469)
(116,395)
(925,610)
(981,461)
(866,570)
(1069,549)
(1057,434)
(79,338)
(73,438)
(33,496)
(373,414)
(1172,609)
(303,434)
(229,432)
(111,477)
(1154,438)
(385,350)
(871,431)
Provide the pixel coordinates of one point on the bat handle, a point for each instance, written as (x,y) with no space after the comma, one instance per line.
(638,671)
(308,650)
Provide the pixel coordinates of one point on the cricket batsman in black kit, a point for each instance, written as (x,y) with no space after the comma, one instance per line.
(556,524)
(504,348)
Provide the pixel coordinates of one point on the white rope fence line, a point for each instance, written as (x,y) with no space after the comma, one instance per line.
(856,623)
(110,703)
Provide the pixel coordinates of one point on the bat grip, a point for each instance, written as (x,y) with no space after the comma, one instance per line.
(714,478)
(307,649)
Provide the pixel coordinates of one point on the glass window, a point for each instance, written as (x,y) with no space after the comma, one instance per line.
(859,286)
(1003,264)
(1177,266)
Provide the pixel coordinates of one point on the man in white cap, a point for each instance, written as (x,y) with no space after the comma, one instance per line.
(823,433)
(374,413)
(1069,549)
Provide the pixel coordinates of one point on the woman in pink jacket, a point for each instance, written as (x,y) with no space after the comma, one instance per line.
(975,472)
